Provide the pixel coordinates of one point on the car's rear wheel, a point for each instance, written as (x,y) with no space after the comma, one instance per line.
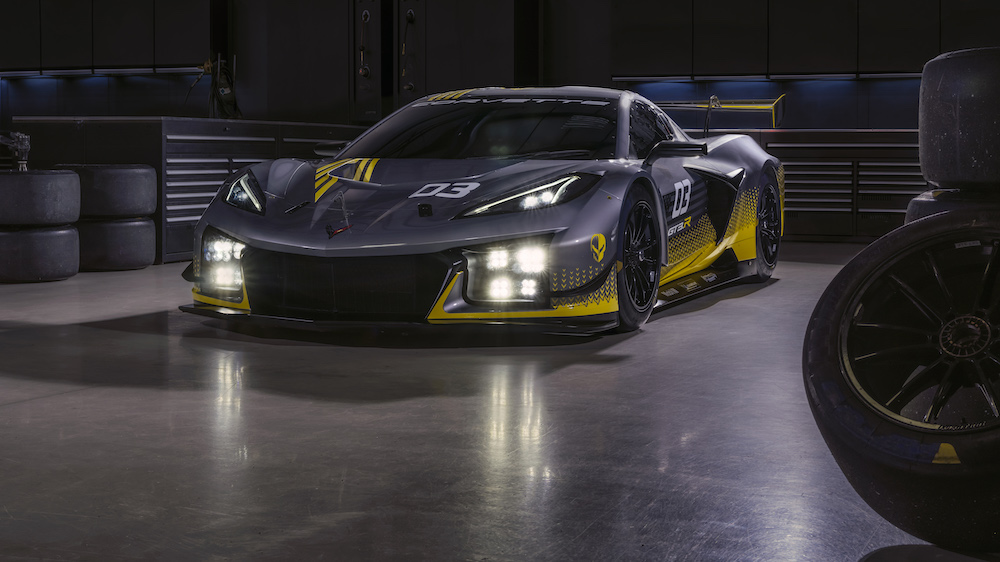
(639,256)
(768,229)
(902,370)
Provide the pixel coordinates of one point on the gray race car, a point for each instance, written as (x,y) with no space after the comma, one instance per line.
(574,208)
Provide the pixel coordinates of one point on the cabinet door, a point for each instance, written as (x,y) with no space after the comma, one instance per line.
(182,33)
(813,37)
(66,44)
(651,38)
(966,24)
(897,35)
(123,34)
(730,37)
(19,29)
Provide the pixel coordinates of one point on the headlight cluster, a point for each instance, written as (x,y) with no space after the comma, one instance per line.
(513,273)
(538,196)
(245,193)
(221,270)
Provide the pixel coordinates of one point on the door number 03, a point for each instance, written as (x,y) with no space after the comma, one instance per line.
(447,190)
(682,198)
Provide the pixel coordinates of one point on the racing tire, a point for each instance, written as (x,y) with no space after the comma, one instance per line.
(768,231)
(901,373)
(958,115)
(115,190)
(116,245)
(39,254)
(639,259)
(39,197)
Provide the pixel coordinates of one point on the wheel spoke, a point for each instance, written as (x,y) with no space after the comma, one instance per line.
(894,327)
(989,279)
(946,389)
(912,296)
(890,351)
(986,387)
(914,381)
(929,259)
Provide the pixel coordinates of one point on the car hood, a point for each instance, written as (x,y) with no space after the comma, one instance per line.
(364,202)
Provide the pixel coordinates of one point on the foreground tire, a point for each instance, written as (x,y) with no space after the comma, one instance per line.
(115,190)
(958,119)
(116,245)
(39,197)
(768,229)
(902,371)
(39,254)
(639,253)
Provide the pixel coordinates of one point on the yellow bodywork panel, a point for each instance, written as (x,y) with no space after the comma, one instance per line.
(695,249)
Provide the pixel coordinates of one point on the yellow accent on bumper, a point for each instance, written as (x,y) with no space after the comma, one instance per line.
(243,304)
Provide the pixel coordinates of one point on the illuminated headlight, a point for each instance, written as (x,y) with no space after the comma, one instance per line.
(537,196)
(245,193)
(220,268)
(508,273)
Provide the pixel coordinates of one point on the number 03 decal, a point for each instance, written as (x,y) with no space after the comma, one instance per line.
(448,190)
(682,198)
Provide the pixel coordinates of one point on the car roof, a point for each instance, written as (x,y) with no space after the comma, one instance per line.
(588,92)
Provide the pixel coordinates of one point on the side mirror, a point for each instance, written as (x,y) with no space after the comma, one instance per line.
(329,148)
(674,148)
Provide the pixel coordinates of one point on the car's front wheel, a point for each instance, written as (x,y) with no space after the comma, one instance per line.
(638,260)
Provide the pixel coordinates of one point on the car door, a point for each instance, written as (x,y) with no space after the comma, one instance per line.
(685,194)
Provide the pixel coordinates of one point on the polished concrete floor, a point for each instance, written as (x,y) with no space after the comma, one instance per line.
(132,431)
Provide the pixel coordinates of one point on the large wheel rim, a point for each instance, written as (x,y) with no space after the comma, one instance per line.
(640,255)
(919,341)
(769,226)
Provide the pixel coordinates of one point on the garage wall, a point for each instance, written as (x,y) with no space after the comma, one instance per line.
(299,60)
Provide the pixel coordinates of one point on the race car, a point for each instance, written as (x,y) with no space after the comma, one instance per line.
(577,209)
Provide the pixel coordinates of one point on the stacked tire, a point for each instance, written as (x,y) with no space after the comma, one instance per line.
(115,228)
(37,239)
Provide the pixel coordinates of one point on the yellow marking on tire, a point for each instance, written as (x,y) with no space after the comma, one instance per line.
(946,455)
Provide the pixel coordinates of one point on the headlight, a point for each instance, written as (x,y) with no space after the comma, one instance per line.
(245,193)
(220,269)
(537,196)
(508,273)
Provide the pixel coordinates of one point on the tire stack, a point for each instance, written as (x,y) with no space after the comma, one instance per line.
(37,239)
(116,201)
(900,355)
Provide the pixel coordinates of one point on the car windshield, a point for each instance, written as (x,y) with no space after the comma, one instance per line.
(495,128)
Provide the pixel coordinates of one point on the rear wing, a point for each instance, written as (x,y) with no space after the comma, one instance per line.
(775,107)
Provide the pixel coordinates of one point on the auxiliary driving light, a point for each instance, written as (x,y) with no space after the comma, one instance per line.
(507,273)
(221,270)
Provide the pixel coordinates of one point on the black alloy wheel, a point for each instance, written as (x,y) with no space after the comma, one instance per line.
(638,279)
(769,225)
(768,230)
(920,344)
